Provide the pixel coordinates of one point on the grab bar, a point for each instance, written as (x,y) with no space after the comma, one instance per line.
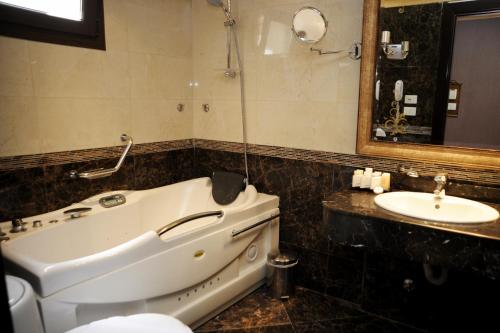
(99,173)
(235,233)
(176,223)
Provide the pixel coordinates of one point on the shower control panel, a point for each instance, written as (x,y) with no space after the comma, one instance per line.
(112,200)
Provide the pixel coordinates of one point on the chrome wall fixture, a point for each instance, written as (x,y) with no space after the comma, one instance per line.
(100,173)
(310,26)
(394,51)
(354,52)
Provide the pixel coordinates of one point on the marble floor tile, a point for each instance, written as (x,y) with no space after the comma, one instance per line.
(306,312)
(364,324)
(256,310)
(308,306)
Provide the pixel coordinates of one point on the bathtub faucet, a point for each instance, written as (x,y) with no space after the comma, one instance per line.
(100,173)
(18,225)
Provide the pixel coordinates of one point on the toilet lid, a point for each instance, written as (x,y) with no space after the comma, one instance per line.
(15,289)
(143,323)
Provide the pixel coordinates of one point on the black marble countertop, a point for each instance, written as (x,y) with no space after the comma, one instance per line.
(361,203)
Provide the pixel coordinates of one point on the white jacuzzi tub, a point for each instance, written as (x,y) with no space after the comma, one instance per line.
(113,262)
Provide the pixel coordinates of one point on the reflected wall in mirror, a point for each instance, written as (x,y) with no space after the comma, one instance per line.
(445,91)
(309,25)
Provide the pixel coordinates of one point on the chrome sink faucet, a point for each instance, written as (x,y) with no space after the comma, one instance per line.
(440,180)
(410,172)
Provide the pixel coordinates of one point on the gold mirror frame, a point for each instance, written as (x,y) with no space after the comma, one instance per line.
(465,157)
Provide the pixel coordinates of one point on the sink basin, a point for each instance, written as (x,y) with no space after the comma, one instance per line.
(447,210)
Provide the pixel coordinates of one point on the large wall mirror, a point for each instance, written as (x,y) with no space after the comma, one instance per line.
(430,85)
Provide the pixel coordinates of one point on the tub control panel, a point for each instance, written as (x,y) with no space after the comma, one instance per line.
(112,200)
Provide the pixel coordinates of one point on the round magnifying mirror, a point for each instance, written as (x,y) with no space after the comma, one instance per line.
(309,25)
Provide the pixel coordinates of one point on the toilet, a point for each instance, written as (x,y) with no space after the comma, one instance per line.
(26,317)
(144,322)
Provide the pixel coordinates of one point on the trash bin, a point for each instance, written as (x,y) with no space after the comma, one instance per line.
(281,265)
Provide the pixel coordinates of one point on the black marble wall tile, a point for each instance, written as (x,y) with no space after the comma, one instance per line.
(345,277)
(408,242)
(461,189)
(417,81)
(330,257)
(457,305)
(385,293)
(163,168)
(267,176)
(342,177)
(301,186)
(394,284)
(22,193)
(63,190)
(491,258)
(208,161)
(421,26)
(312,270)
(34,191)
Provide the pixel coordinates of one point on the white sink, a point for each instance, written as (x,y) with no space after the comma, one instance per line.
(427,207)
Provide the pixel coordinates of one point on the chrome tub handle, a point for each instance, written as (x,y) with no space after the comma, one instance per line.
(77,212)
(235,233)
(99,173)
(185,219)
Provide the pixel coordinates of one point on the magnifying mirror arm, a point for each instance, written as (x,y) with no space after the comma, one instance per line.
(354,51)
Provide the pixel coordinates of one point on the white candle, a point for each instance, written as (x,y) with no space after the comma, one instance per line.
(386,37)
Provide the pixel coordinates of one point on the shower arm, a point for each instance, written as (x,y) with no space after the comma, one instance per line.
(189,218)
(100,173)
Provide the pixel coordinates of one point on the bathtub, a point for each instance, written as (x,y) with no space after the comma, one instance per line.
(112,261)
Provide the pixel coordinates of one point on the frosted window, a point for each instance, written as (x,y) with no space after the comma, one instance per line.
(67,9)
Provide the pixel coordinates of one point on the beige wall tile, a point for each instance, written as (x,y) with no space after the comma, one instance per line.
(63,71)
(208,23)
(15,68)
(83,96)
(222,122)
(164,52)
(284,78)
(160,27)
(19,128)
(116,25)
(295,98)
(76,123)
(156,120)
(157,76)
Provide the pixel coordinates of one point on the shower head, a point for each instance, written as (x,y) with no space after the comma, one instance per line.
(225,8)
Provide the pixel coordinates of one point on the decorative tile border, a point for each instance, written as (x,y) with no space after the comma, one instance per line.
(482,176)
(64,157)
